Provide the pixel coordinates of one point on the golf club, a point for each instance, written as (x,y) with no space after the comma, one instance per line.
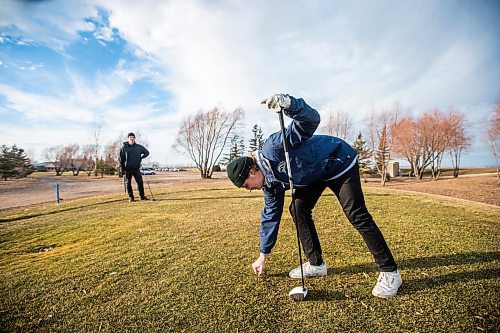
(124,181)
(297,293)
(152,196)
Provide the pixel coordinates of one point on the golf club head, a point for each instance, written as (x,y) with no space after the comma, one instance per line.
(298,294)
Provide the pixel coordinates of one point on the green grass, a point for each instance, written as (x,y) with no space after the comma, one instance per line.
(183,264)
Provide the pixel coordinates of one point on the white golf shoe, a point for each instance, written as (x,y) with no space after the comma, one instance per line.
(309,271)
(387,285)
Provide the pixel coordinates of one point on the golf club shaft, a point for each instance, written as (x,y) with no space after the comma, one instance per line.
(152,196)
(289,172)
(124,182)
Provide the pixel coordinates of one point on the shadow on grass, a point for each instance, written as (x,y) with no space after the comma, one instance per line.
(425,262)
(414,285)
(208,198)
(156,199)
(324,295)
(67,209)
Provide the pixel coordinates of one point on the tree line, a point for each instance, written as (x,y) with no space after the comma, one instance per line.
(422,141)
(212,139)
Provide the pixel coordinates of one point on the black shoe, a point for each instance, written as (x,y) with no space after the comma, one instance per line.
(144,198)
(131,199)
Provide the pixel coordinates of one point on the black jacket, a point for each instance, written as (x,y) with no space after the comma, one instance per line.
(132,155)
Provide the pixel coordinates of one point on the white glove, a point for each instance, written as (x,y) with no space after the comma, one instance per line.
(277,102)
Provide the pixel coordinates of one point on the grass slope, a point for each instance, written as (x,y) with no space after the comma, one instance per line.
(182,264)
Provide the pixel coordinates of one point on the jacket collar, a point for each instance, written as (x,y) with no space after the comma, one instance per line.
(265,167)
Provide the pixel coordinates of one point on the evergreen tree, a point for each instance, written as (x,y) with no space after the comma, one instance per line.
(236,149)
(14,163)
(364,154)
(257,141)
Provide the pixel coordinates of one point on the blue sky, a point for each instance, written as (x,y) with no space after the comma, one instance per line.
(145,65)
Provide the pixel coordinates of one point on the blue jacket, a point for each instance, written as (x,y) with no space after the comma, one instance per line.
(313,158)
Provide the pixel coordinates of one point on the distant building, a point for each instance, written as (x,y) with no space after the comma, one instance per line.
(44,166)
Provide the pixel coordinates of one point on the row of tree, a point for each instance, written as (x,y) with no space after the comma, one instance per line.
(89,158)
(14,163)
(423,141)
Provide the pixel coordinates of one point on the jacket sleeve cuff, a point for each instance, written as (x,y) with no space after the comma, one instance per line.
(265,254)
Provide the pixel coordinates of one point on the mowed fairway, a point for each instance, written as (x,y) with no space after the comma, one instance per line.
(183,264)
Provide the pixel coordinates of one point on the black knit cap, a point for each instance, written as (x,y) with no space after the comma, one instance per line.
(238,170)
(131,134)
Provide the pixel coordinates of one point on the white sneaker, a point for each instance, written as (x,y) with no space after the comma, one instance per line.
(309,271)
(387,285)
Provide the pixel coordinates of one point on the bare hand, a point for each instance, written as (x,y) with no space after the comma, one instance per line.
(259,264)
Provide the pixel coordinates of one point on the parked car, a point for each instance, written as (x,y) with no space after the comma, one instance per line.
(148,171)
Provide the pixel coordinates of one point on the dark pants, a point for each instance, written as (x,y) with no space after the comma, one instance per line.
(348,190)
(138,178)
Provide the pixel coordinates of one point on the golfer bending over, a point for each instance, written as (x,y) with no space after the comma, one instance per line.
(317,162)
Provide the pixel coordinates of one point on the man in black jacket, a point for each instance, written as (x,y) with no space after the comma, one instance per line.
(130,159)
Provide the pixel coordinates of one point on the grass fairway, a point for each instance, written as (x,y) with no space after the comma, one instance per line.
(183,264)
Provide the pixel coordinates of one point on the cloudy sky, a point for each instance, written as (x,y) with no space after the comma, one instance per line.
(145,65)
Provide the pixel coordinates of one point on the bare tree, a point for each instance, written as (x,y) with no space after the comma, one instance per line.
(383,153)
(338,123)
(493,135)
(438,136)
(140,138)
(86,159)
(406,143)
(96,139)
(380,137)
(54,154)
(204,136)
(422,142)
(458,141)
(70,158)
(111,152)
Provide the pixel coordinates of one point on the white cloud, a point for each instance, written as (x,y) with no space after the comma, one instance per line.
(340,55)
(41,107)
(104,34)
(51,23)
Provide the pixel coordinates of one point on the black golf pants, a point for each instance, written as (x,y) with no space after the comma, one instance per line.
(136,173)
(348,190)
